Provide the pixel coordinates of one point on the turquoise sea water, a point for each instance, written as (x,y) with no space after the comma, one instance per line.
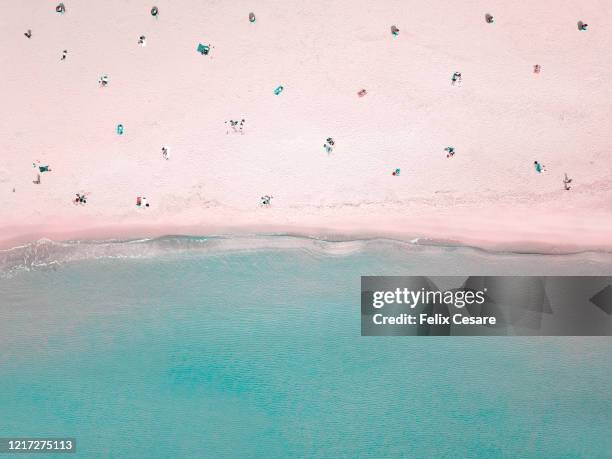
(203,348)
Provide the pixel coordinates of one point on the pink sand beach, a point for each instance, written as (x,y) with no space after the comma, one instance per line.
(500,118)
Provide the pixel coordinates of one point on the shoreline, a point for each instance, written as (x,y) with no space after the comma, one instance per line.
(49,254)
(545,237)
(416,242)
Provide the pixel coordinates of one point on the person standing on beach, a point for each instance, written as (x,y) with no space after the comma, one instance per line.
(456,78)
(64,54)
(566,182)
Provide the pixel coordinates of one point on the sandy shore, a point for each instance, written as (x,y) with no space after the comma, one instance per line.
(500,119)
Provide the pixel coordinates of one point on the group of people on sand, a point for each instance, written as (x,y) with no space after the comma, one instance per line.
(329,145)
(539,168)
(141,201)
(265,201)
(81,198)
(235,125)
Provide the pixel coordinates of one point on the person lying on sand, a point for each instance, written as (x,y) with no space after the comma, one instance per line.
(450,152)
(539,167)
(37,181)
(456,78)
(566,183)
(142,40)
(165,153)
(266,201)
(28,33)
(64,54)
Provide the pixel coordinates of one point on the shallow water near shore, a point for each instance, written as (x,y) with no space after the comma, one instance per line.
(200,347)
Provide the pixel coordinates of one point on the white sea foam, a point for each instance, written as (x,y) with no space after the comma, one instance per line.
(45,253)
